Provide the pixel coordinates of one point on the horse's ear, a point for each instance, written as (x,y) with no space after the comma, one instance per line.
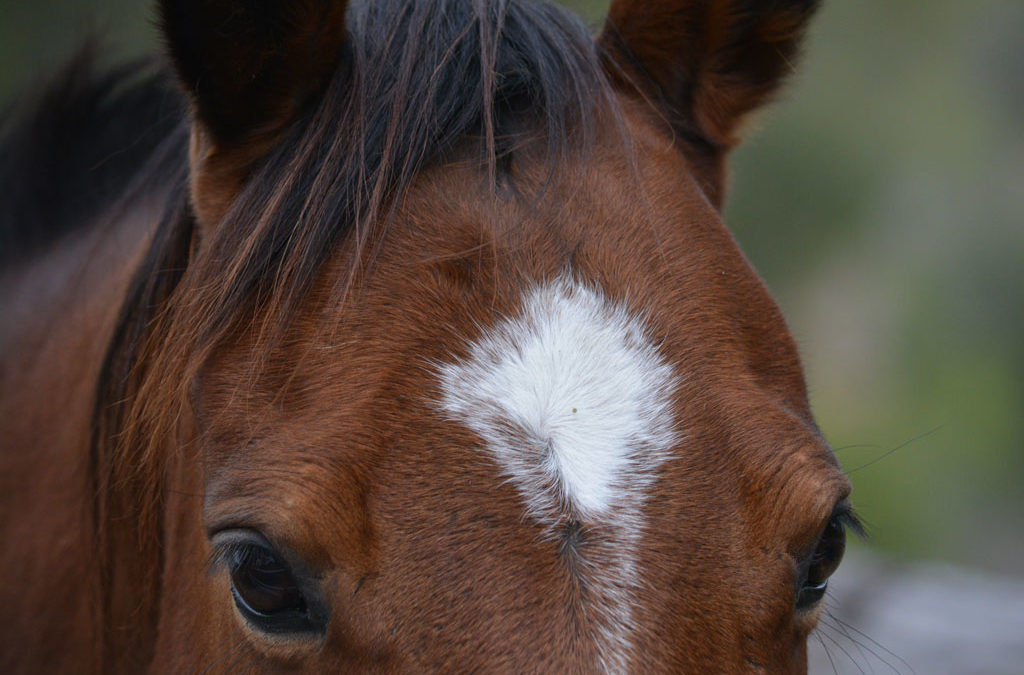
(705,63)
(248,66)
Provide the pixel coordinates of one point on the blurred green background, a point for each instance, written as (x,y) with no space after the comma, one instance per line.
(882,198)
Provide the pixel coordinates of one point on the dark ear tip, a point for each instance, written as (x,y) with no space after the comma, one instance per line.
(182,38)
(703,66)
(244,63)
(708,61)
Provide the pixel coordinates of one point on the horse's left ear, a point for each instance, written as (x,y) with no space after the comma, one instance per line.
(248,66)
(706,64)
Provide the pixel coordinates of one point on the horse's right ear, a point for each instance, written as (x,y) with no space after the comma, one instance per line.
(706,64)
(248,66)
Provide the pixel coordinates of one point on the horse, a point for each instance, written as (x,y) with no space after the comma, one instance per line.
(397,336)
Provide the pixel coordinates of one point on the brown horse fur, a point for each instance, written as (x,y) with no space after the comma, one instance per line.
(367,199)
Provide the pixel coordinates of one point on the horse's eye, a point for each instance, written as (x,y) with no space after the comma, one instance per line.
(263,584)
(265,589)
(823,563)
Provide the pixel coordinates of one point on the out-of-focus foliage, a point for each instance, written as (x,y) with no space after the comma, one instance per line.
(883,200)
(36,37)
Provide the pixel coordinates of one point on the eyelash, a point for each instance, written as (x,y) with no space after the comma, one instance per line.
(227,555)
(851,522)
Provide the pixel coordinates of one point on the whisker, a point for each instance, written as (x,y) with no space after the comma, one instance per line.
(827,653)
(860,648)
(859,446)
(876,643)
(896,449)
(843,650)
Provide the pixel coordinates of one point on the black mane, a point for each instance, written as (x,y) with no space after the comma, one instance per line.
(416,80)
(69,151)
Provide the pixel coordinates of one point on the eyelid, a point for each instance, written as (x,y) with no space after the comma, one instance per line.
(229,540)
(843,513)
(228,543)
(222,555)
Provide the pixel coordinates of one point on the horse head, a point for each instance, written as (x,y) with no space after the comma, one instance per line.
(459,368)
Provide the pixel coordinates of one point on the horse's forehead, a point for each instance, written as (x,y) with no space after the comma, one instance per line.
(600,298)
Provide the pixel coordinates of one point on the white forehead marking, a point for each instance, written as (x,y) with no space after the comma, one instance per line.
(571,393)
(573,401)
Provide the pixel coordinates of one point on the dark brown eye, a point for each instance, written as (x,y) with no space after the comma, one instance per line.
(262,583)
(267,592)
(823,563)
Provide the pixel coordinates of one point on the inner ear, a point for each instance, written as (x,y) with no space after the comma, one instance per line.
(706,64)
(248,67)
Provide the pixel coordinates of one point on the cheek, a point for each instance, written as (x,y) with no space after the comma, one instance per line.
(196,611)
(780,651)
(772,635)
(797,661)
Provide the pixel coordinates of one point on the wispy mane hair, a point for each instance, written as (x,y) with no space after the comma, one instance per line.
(416,80)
